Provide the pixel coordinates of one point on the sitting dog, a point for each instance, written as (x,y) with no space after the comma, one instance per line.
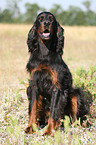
(50,92)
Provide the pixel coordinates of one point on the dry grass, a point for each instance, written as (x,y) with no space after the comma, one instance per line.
(13,53)
(80,50)
(80,45)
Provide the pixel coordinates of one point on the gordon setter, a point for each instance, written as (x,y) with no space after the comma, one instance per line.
(50,92)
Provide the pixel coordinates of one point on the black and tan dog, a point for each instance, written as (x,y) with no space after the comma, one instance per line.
(50,92)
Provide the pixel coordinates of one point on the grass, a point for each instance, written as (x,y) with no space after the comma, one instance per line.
(79,54)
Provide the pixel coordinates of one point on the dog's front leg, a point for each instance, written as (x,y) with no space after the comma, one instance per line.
(32,117)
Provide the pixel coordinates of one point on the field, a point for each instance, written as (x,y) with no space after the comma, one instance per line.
(80,56)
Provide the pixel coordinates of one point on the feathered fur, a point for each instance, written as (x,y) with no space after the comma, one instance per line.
(50,92)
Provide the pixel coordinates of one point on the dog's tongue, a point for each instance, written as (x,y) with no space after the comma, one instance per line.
(46,34)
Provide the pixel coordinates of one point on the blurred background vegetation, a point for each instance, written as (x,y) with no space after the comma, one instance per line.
(72,16)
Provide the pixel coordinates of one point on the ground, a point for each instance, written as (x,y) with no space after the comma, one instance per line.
(80,56)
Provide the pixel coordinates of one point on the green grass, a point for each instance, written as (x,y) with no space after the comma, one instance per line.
(79,54)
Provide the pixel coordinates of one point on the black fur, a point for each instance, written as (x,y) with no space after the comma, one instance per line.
(50,76)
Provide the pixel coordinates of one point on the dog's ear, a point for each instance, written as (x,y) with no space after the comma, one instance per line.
(32,39)
(60,39)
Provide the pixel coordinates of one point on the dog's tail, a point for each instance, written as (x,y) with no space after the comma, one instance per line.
(82,105)
(83,108)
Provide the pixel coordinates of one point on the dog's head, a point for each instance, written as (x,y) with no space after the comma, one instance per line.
(46,28)
(46,25)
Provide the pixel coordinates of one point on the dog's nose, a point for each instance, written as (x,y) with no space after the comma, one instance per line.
(46,23)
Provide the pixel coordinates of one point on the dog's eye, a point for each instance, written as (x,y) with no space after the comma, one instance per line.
(51,18)
(41,18)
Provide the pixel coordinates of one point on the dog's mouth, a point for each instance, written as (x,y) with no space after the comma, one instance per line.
(45,34)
